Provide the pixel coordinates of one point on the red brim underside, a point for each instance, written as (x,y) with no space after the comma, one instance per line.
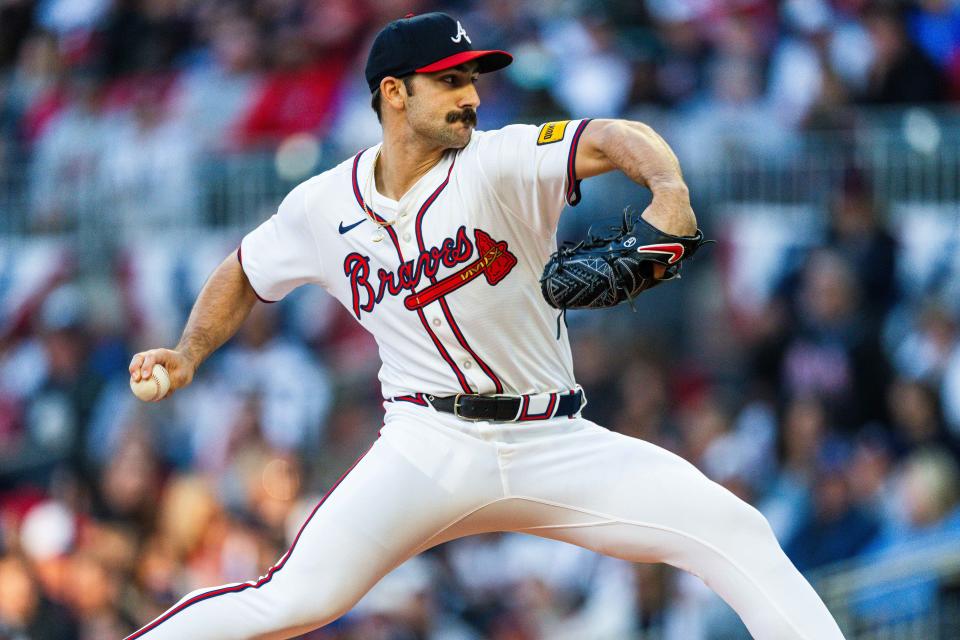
(488,60)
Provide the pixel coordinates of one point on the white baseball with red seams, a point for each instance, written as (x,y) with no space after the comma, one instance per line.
(154,387)
(451,294)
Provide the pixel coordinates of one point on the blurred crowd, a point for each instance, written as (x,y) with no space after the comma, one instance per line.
(830,398)
(118,101)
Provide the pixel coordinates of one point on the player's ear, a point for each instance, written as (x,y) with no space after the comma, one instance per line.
(393,92)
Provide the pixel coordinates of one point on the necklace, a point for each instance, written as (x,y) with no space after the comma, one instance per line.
(368,198)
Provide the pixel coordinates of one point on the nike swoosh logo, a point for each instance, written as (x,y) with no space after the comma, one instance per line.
(344,229)
(675,251)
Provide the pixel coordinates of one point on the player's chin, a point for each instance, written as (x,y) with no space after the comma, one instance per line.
(461,134)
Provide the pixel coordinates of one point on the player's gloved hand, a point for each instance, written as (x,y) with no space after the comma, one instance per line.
(602,272)
(180,368)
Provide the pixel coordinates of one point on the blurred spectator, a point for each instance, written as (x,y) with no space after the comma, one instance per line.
(925,352)
(803,434)
(679,74)
(870,474)
(213,93)
(149,170)
(730,120)
(156,583)
(68,158)
(833,353)
(858,235)
(129,485)
(927,493)
(930,492)
(916,419)
(537,588)
(352,428)
(836,528)
(929,496)
(642,409)
(594,78)
(292,386)
(901,72)
(797,64)
(143,37)
(24,613)
(405,605)
(92,592)
(593,357)
(53,397)
(310,62)
(33,93)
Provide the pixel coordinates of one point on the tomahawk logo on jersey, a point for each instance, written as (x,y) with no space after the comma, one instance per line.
(458,260)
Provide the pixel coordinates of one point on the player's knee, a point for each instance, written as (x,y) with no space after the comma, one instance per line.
(733,520)
(746,520)
(317,606)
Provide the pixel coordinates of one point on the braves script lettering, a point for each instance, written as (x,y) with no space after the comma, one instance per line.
(366,294)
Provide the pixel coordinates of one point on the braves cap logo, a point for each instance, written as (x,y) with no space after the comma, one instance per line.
(461,34)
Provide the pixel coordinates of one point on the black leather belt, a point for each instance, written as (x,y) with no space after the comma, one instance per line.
(504,408)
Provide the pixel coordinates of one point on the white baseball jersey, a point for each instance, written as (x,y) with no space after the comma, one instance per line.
(451,292)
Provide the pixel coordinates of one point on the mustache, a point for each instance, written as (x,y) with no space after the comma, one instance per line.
(468,116)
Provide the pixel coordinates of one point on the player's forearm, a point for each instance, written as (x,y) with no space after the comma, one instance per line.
(643,156)
(220,309)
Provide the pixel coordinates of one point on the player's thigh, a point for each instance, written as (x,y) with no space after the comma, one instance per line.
(399,494)
(629,499)
(598,476)
(413,483)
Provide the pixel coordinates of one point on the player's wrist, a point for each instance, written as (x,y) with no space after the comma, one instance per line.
(670,212)
(189,359)
(670,187)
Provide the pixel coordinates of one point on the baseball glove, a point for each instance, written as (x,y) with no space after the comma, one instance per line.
(603,272)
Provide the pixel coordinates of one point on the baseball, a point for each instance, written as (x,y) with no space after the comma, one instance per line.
(153,388)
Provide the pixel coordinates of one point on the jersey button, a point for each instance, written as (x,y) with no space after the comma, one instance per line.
(406,237)
(467,364)
(436,322)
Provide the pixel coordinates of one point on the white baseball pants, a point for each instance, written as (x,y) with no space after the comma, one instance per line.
(431,477)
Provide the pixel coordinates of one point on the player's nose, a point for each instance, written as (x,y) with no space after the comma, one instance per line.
(469,98)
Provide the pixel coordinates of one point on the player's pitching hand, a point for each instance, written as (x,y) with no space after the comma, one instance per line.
(178,366)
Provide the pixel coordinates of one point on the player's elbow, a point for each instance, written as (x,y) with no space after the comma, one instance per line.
(612,133)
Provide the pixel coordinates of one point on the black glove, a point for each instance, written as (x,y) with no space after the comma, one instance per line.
(603,272)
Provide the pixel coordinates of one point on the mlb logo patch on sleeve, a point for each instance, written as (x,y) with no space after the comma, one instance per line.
(552,132)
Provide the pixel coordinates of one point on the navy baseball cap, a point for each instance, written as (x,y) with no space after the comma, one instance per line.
(424,44)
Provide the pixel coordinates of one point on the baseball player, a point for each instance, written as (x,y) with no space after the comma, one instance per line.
(435,240)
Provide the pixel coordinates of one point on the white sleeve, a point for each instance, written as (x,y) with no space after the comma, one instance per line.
(281,254)
(532,170)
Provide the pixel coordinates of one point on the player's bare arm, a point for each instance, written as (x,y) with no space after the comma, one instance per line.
(643,156)
(220,309)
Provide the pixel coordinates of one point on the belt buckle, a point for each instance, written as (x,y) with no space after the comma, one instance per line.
(456,409)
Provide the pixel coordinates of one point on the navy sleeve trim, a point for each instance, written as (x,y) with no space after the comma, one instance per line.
(573,184)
